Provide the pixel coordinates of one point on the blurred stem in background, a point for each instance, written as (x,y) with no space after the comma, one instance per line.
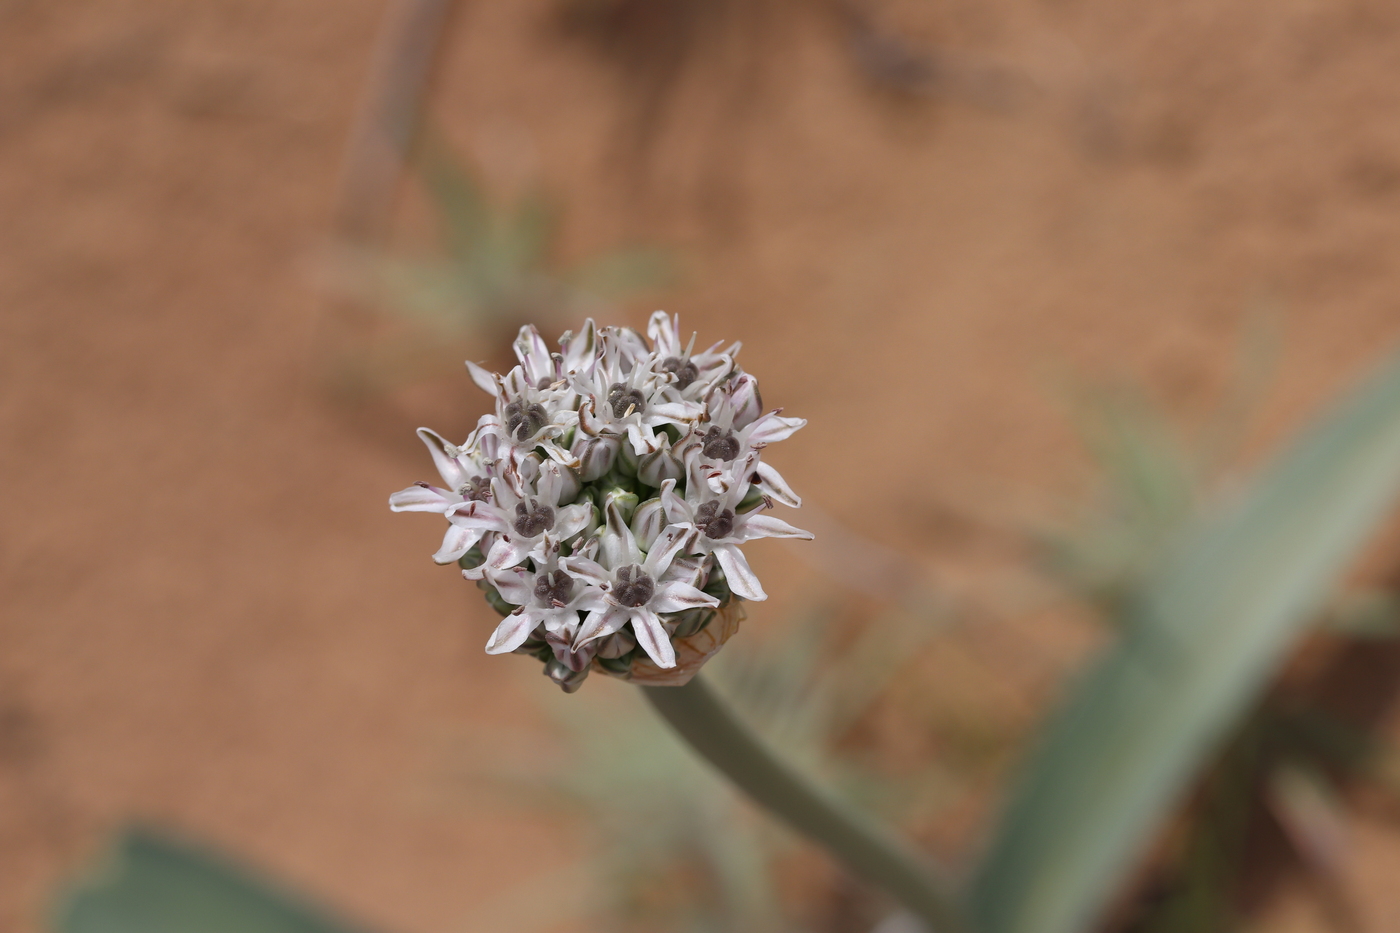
(714,733)
(387,123)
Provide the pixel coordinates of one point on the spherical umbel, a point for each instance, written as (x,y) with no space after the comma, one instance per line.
(603,505)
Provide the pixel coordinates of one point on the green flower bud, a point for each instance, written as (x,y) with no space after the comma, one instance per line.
(625,500)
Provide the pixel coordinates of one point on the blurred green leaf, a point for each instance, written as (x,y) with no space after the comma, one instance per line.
(500,262)
(623,271)
(1200,637)
(1152,484)
(150,883)
(466,217)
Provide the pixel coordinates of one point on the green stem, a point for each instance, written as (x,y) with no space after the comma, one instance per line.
(703,720)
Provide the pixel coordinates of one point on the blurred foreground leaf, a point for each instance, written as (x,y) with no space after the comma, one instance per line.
(149,883)
(1200,638)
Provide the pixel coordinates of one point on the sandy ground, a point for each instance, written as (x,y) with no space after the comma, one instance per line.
(212,620)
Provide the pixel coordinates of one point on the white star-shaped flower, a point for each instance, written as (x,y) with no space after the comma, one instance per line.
(637,588)
(716,527)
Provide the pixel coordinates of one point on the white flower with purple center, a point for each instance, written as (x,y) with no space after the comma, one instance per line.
(623,396)
(736,430)
(637,588)
(693,374)
(522,522)
(468,472)
(718,527)
(550,597)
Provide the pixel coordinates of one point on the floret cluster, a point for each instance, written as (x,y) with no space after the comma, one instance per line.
(604,504)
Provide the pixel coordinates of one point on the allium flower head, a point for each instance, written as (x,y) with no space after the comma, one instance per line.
(603,506)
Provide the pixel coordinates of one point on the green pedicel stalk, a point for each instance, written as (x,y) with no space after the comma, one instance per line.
(702,719)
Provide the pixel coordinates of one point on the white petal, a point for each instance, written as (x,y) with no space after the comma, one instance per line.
(673,412)
(722,481)
(588,420)
(486,438)
(771,482)
(745,403)
(558,454)
(422,498)
(586,570)
(557,483)
(561,622)
(505,553)
(676,508)
(572,519)
(653,638)
(484,379)
(513,585)
(448,466)
(599,624)
(514,385)
(742,581)
(663,333)
(478,515)
(772,428)
(550,484)
(587,599)
(618,544)
(512,632)
(674,540)
(753,526)
(630,343)
(533,354)
(678,597)
(581,353)
(455,543)
(643,441)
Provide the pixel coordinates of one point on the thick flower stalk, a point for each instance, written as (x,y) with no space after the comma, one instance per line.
(603,506)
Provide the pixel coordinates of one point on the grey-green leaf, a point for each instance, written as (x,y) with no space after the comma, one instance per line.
(1200,639)
(151,883)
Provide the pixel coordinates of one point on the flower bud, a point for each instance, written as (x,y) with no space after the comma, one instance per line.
(745,400)
(626,502)
(753,498)
(595,456)
(657,467)
(568,681)
(692,621)
(627,458)
(648,521)
(616,645)
(565,479)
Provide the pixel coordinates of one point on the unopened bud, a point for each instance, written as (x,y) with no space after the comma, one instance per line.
(595,456)
(626,502)
(568,681)
(655,468)
(648,522)
(627,458)
(745,400)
